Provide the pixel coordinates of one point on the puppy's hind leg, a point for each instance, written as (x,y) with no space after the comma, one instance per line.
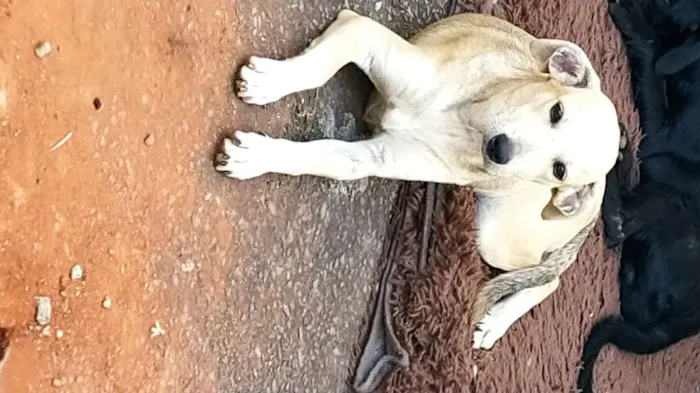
(396,67)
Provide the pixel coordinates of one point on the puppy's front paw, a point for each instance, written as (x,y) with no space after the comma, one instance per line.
(244,157)
(491,328)
(262,81)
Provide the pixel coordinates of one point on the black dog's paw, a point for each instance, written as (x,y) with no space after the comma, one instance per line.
(613,216)
(614,234)
(619,181)
(625,162)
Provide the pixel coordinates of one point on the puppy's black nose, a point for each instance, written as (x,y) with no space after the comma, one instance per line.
(499,149)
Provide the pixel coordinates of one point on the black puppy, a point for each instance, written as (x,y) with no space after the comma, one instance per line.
(657,223)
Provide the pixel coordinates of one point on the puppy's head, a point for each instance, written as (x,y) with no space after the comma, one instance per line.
(555,127)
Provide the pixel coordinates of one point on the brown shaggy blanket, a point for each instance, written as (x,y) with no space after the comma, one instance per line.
(541,352)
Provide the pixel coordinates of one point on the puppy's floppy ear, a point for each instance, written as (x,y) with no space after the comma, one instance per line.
(566,62)
(567,202)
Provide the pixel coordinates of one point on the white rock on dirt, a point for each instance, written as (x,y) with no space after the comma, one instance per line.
(42,49)
(188,266)
(58,382)
(3,100)
(157,330)
(4,83)
(43,310)
(76,272)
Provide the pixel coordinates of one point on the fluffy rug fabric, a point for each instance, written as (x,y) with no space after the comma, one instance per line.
(541,352)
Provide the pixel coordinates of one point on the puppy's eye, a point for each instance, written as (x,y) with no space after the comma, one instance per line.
(556,113)
(559,170)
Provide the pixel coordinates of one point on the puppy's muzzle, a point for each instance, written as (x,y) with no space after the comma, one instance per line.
(499,149)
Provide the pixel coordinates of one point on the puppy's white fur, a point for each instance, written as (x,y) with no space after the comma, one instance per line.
(439,98)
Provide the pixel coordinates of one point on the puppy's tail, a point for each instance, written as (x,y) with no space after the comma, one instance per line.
(628,337)
(552,266)
(601,334)
(509,283)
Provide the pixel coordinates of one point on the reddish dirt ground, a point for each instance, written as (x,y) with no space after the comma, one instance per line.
(259,285)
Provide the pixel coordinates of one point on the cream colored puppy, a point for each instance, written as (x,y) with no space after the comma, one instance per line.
(471,100)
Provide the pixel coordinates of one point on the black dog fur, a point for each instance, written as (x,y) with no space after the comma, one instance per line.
(657,223)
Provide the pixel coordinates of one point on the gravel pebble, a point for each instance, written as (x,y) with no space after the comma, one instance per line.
(76,272)
(3,100)
(42,49)
(149,140)
(157,330)
(43,310)
(58,382)
(107,302)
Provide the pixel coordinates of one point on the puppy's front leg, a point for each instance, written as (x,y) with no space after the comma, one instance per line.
(506,312)
(396,67)
(250,155)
